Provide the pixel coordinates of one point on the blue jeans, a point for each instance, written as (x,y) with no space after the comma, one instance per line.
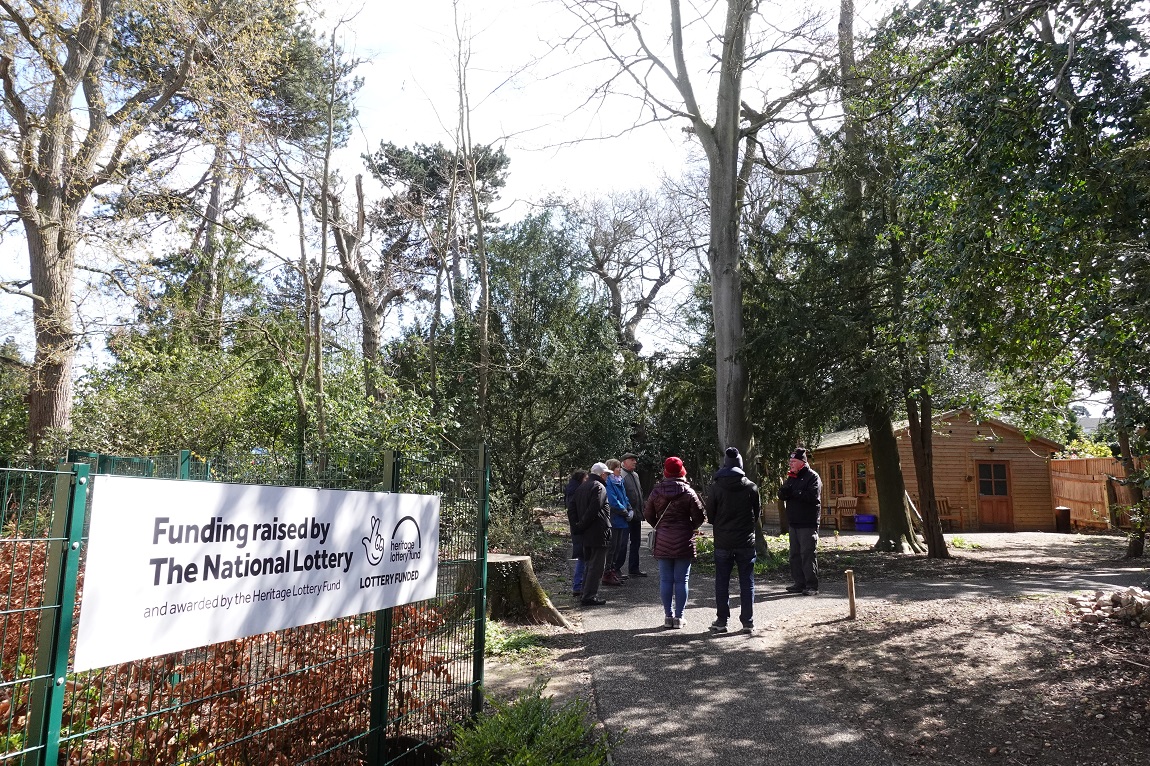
(580,563)
(673,577)
(727,559)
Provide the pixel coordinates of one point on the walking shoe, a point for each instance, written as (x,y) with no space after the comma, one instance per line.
(811,592)
(795,589)
(593,601)
(676,622)
(637,573)
(622,576)
(669,622)
(748,629)
(576,594)
(718,626)
(611,579)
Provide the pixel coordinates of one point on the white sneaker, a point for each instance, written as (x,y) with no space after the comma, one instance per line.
(676,622)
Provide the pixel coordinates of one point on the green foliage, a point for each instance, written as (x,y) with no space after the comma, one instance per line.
(161,397)
(159,400)
(682,390)
(1086,448)
(13,409)
(513,643)
(1028,171)
(556,384)
(958,541)
(530,731)
(776,560)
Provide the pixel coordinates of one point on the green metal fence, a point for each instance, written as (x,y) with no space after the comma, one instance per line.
(382,688)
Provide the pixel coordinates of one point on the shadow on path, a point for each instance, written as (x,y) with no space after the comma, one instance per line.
(692,697)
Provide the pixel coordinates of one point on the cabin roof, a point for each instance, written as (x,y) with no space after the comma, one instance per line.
(854,436)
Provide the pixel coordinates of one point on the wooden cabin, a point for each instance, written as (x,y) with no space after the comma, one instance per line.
(992,477)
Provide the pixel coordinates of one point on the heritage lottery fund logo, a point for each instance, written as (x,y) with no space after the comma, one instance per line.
(405,546)
(173,565)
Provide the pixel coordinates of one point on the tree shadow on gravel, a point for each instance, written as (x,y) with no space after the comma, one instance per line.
(977,682)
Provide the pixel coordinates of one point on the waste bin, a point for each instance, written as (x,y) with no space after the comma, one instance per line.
(1062,519)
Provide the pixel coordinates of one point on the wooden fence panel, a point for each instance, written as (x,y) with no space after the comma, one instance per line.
(1086,486)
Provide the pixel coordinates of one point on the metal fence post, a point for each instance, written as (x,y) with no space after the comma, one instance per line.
(484,517)
(46,707)
(185,469)
(381,648)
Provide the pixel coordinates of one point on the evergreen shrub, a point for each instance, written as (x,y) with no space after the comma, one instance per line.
(531,730)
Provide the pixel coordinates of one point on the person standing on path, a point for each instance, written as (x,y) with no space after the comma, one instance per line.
(573,484)
(677,511)
(621,515)
(733,507)
(634,489)
(593,524)
(802,495)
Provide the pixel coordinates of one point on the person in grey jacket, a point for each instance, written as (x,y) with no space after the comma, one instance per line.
(801,493)
(733,507)
(593,525)
(635,494)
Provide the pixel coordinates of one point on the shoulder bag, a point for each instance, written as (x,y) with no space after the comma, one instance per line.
(651,536)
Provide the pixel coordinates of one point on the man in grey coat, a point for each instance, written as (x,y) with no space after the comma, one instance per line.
(593,524)
(634,489)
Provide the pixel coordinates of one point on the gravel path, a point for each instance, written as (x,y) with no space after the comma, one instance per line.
(691,697)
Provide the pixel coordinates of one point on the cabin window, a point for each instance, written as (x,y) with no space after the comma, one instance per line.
(835,480)
(860,479)
(992,479)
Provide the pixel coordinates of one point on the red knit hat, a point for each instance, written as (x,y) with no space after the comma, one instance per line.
(673,468)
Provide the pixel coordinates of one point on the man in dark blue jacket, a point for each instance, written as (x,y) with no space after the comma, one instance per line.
(802,495)
(733,507)
(593,525)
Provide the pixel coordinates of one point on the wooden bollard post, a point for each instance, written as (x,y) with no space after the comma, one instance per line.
(850,573)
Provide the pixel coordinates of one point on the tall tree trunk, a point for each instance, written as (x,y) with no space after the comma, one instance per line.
(433,340)
(920,412)
(895,532)
(721,146)
(52,257)
(1136,541)
(465,151)
(209,305)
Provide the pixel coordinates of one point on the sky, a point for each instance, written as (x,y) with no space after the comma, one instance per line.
(523,92)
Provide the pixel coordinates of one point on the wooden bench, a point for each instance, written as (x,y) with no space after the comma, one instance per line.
(950,519)
(845,509)
(829,518)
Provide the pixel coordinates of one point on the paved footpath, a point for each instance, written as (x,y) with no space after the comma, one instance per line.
(691,697)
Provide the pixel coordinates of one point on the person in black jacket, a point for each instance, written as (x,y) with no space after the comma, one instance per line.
(802,493)
(733,507)
(576,481)
(593,525)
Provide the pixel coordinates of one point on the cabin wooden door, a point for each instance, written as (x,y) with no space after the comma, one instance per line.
(995,509)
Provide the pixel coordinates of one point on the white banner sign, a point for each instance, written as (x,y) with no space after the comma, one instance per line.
(173,565)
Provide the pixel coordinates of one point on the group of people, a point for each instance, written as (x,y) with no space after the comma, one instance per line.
(606,508)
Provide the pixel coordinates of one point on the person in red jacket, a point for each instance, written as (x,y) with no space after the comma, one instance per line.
(676,512)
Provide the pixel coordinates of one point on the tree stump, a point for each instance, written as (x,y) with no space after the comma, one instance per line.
(515,595)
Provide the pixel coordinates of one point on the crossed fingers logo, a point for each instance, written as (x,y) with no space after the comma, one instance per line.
(374,543)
